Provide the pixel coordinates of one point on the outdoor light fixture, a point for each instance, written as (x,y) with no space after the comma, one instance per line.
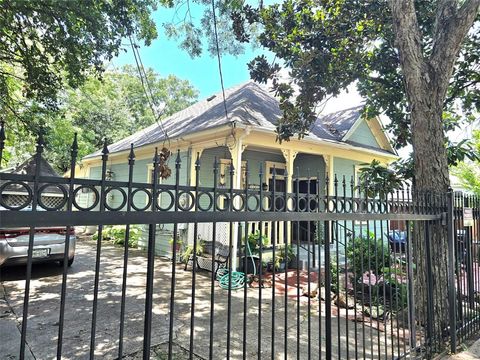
(222,180)
(109,175)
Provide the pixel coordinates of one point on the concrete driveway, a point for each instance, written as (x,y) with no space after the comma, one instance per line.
(45,303)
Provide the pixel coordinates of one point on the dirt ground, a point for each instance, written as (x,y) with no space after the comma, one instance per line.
(349,338)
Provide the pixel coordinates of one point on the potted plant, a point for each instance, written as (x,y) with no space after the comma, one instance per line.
(188,252)
(178,245)
(280,254)
(252,248)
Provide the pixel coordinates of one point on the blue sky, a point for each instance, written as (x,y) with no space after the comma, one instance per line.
(165,57)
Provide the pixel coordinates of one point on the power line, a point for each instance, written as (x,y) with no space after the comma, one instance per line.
(219,58)
(145,84)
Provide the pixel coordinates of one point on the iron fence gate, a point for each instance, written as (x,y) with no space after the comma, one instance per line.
(339,284)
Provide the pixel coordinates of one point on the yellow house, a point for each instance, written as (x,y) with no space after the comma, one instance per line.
(338,143)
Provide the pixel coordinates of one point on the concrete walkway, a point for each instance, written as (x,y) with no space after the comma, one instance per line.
(349,338)
(472,353)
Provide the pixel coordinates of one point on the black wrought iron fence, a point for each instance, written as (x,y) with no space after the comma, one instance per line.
(466,230)
(334,279)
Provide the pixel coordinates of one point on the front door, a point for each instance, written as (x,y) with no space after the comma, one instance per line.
(304,231)
(280,187)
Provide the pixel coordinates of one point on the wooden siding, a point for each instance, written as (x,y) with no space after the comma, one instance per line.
(363,135)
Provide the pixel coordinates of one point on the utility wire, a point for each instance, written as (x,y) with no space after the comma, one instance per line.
(232,132)
(148,94)
(219,58)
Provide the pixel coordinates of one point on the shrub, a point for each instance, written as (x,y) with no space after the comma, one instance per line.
(116,234)
(334,276)
(395,278)
(366,253)
(280,255)
(319,237)
(254,241)
(188,252)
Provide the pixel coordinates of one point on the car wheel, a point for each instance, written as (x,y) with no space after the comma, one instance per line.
(70,262)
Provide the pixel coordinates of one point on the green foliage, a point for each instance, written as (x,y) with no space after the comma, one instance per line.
(319,237)
(188,252)
(117,234)
(282,253)
(461,151)
(469,172)
(334,276)
(366,253)
(179,242)
(112,108)
(117,106)
(469,176)
(52,57)
(254,240)
(396,289)
(49,44)
(196,34)
(378,180)
(329,45)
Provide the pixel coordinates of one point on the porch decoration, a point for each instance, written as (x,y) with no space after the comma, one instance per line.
(252,244)
(164,170)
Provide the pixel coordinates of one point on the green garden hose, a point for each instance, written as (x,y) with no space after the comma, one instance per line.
(237,278)
(237,282)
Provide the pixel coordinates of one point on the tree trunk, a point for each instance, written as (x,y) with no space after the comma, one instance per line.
(426,82)
(431,177)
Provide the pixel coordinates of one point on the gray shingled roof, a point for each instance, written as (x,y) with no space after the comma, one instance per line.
(247,104)
(28,167)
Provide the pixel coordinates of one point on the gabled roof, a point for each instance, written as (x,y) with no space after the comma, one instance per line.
(28,167)
(249,104)
(336,125)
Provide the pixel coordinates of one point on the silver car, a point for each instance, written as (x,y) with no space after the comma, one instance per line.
(48,245)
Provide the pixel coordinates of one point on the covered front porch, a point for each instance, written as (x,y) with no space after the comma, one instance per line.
(274,172)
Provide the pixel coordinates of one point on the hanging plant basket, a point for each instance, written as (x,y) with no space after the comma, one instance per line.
(164,170)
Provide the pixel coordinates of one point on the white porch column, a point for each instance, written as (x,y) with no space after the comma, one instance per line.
(236,155)
(289,156)
(194,152)
(329,171)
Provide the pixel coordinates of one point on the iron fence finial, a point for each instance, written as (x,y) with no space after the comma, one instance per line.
(40,141)
(197,162)
(131,155)
(2,133)
(156,157)
(75,143)
(105,147)
(2,140)
(178,160)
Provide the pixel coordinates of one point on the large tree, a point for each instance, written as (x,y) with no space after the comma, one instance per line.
(50,44)
(415,61)
(111,108)
(46,44)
